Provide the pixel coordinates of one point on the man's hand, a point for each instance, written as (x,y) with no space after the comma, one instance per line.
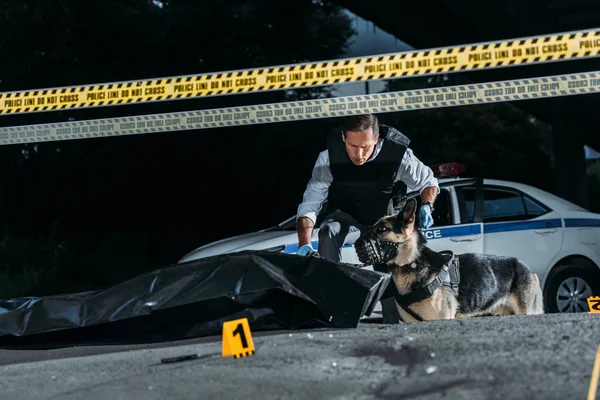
(305,250)
(304,226)
(428,196)
(425,218)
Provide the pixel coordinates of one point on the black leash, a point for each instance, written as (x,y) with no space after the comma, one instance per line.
(411,312)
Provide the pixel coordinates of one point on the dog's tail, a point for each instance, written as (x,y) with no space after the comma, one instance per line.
(527,291)
(538,298)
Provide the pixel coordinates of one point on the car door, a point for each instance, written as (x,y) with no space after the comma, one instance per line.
(517,225)
(454,228)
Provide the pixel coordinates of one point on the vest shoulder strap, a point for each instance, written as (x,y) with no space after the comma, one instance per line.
(393,135)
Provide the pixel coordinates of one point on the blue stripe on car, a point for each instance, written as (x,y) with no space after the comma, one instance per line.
(497,227)
(582,222)
(463,230)
(522,225)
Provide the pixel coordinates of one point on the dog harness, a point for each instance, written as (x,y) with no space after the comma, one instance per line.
(449,276)
(371,250)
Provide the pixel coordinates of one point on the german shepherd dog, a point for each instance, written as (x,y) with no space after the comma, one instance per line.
(489,284)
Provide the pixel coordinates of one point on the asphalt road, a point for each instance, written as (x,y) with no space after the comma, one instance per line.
(533,357)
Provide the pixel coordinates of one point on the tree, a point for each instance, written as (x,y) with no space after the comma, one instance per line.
(106,209)
(495,141)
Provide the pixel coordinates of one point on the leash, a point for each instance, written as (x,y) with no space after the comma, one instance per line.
(411,312)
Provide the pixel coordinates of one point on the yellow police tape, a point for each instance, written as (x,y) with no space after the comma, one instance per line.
(480,56)
(491,92)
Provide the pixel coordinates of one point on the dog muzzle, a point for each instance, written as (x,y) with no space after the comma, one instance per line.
(372,250)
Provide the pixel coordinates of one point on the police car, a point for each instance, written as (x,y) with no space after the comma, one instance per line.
(557,239)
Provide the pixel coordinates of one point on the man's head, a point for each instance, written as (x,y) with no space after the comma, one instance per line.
(360,135)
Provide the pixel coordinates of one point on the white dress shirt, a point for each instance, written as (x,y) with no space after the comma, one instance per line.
(416,175)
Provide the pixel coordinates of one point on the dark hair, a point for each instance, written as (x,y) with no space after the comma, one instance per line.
(362,123)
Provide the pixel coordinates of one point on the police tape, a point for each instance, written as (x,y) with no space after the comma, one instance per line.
(479,56)
(451,96)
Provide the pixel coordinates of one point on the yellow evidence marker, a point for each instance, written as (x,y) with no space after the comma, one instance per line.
(237,339)
(594,304)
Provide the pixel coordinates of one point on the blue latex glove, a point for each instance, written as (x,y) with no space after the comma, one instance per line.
(305,250)
(425,218)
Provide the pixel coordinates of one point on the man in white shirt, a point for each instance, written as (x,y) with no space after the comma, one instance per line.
(363,175)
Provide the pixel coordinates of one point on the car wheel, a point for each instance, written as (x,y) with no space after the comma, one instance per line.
(569,286)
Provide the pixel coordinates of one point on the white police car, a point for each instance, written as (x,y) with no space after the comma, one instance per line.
(558,240)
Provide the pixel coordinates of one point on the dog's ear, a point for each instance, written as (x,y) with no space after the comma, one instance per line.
(408,212)
(390,208)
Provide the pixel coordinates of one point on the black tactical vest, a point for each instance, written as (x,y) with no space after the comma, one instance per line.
(364,191)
